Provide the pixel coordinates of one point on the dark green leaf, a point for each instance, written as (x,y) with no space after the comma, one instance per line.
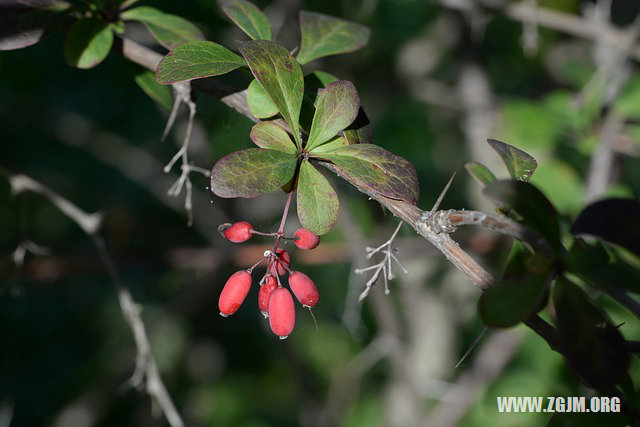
(520,164)
(592,345)
(521,293)
(259,102)
(480,173)
(280,76)
(375,169)
(146,79)
(249,18)
(24,23)
(318,79)
(88,43)
(336,108)
(271,136)
(252,172)
(168,30)
(318,204)
(537,212)
(360,131)
(324,35)
(614,220)
(195,60)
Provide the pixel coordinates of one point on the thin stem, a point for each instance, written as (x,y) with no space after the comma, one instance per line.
(283,222)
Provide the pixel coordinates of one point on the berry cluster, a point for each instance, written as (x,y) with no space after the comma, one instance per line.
(274,300)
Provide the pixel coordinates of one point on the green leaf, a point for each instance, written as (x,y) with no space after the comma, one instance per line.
(323,35)
(319,79)
(146,79)
(521,293)
(88,42)
(251,172)
(280,76)
(592,345)
(168,30)
(336,108)
(25,23)
(520,165)
(613,220)
(249,18)
(195,60)
(480,173)
(333,144)
(318,204)
(271,136)
(259,102)
(375,169)
(537,212)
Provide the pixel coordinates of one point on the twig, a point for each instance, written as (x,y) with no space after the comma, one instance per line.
(146,372)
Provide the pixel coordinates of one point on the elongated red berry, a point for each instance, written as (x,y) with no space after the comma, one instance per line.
(305,240)
(282,313)
(304,289)
(238,232)
(234,292)
(264,295)
(277,267)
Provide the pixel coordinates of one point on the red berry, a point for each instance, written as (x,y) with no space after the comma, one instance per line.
(266,290)
(282,313)
(277,266)
(234,292)
(304,289)
(305,239)
(238,232)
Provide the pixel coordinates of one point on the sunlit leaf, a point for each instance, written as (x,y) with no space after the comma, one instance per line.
(271,136)
(324,35)
(520,164)
(336,108)
(146,79)
(168,30)
(259,102)
(537,212)
(333,144)
(195,60)
(249,18)
(376,169)
(24,23)
(280,76)
(252,172)
(593,347)
(480,173)
(88,42)
(614,220)
(318,204)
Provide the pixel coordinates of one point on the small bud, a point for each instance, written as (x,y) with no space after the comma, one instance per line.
(264,295)
(277,267)
(304,289)
(282,313)
(234,292)
(236,233)
(305,240)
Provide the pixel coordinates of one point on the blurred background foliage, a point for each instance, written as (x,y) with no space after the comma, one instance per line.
(435,82)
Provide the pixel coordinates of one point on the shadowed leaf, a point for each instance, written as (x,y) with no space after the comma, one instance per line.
(251,172)
(376,169)
(259,102)
(280,76)
(592,345)
(614,220)
(537,212)
(318,204)
(249,18)
(271,136)
(24,23)
(323,35)
(336,108)
(88,42)
(480,173)
(520,164)
(146,79)
(195,60)
(168,30)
